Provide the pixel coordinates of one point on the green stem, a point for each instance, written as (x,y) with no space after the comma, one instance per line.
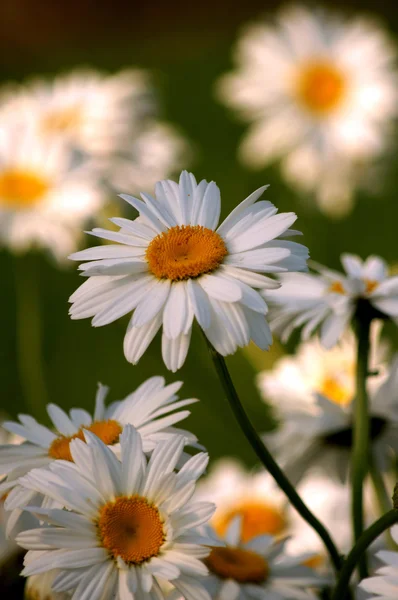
(266,458)
(360,448)
(28,334)
(358,551)
(383,498)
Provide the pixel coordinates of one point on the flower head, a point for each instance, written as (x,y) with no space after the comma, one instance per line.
(173,264)
(330,299)
(320,93)
(128,526)
(384,584)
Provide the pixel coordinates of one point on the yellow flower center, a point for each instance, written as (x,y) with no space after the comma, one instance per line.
(131,528)
(257,518)
(321,87)
(21,189)
(62,121)
(370,285)
(241,565)
(336,288)
(107,431)
(335,391)
(314,562)
(184,252)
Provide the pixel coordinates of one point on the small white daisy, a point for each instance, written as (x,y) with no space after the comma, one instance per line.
(149,408)
(258,569)
(321,94)
(329,299)
(173,264)
(129,524)
(251,495)
(316,424)
(45,197)
(384,584)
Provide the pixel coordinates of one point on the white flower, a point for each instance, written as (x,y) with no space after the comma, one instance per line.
(320,93)
(45,198)
(148,408)
(330,298)
(173,264)
(384,585)
(252,496)
(257,569)
(128,525)
(39,587)
(316,410)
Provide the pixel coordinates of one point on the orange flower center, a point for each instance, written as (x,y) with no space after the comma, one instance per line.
(241,565)
(184,252)
(321,87)
(107,431)
(335,391)
(336,288)
(62,121)
(371,285)
(257,518)
(131,528)
(21,189)
(314,562)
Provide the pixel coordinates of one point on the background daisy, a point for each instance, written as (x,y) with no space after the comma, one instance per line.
(384,584)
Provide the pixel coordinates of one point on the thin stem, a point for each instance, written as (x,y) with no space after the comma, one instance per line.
(358,551)
(360,448)
(383,497)
(28,334)
(266,458)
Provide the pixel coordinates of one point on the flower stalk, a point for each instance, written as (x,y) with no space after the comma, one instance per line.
(266,458)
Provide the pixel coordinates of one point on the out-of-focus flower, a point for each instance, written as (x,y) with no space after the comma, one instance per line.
(149,408)
(39,587)
(258,569)
(131,523)
(330,298)
(316,424)
(321,93)
(173,264)
(45,197)
(384,585)
(252,496)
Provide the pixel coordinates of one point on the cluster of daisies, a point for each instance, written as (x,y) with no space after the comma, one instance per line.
(65,143)
(107,503)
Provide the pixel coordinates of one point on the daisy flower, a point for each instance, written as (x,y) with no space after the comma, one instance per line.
(320,94)
(129,525)
(329,299)
(252,496)
(257,569)
(384,584)
(45,198)
(149,408)
(174,264)
(316,424)
(39,587)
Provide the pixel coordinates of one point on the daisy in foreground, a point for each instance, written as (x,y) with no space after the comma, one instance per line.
(129,525)
(257,569)
(149,408)
(320,94)
(173,264)
(384,585)
(329,299)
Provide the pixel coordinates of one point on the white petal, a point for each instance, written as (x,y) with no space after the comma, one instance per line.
(137,339)
(220,288)
(174,351)
(152,303)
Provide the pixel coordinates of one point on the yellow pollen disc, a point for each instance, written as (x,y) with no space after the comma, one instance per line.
(241,565)
(131,528)
(337,288)
(184,252)
(314,562)
(258,518)
(321,87)
(371,285)
(21,189)
(62,121)
(107,431)
(334,391)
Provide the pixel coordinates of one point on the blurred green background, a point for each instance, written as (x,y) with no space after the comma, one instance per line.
(185,47)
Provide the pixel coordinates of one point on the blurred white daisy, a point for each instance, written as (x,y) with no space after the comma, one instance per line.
(128,526)
(149,408)
(39,587)
(45,197)
(252,496)
(257,569)
(329,299)
(316,424)
(173,264)
(384,584)
(321,94)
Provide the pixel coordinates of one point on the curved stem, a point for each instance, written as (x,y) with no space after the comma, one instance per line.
(360,448)
(266,458)
(368,536)
(28,334)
